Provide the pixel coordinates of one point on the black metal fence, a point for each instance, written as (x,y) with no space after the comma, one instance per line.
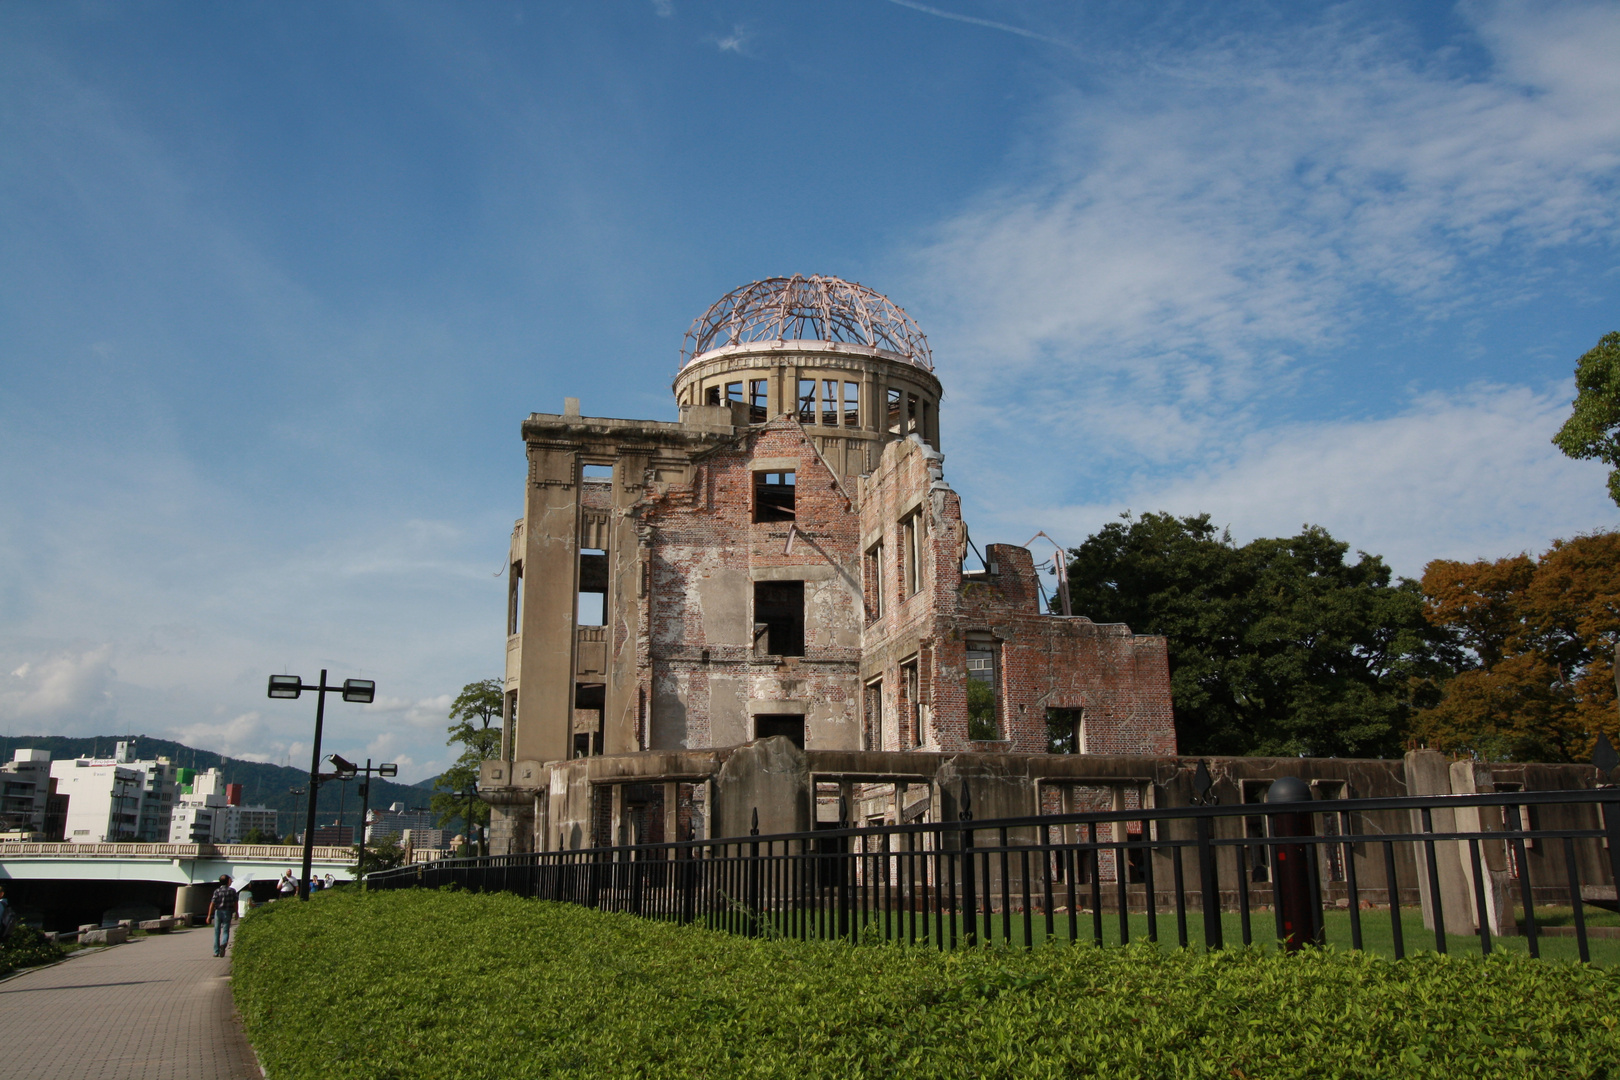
(1478,864)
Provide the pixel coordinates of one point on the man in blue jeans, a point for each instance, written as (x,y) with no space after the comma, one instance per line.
(221,910)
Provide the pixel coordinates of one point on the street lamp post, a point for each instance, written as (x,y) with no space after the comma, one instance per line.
(349,768)
(290,686)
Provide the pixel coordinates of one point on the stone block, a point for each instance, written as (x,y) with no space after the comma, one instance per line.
(157,926)
(112,935)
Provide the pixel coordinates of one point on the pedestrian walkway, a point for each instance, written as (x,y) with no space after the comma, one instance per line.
(158,1008)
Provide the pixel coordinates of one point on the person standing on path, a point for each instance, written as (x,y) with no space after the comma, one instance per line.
(288,886)
(221,910)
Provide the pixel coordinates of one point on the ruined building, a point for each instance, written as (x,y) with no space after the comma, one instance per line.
(785,559)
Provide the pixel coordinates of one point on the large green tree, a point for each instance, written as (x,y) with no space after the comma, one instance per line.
(1278,646)
(475,726)
(1593,428)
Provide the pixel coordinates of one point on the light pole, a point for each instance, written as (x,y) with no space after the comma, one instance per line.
(290,686)
(472,797)
(349,768)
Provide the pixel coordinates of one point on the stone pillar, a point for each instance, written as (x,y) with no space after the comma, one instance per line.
(193,899)
(1428,773)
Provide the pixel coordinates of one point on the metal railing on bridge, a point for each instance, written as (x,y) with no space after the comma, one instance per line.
(1478,864)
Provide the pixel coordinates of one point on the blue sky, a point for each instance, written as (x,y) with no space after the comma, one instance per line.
(279,281)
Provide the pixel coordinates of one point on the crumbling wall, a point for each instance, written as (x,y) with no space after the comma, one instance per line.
(707,678)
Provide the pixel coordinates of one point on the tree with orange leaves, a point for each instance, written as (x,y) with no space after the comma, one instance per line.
(1540,635)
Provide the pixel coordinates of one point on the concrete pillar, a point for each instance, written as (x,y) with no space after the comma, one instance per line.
(672,815)
(193,899)
(1468,778)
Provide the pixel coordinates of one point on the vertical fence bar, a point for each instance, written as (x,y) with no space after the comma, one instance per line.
(1006,898)
(1209,880)
(970,907)
(1180,880)
(1046,873)
(1245,876)
(1148,882)
(1029,929)
(1394,900)
(1481,916)
(1575,903)
(1071,867)
(1095,853)
(1350,880)
(1434,885)
(1122,873)
(1526,892)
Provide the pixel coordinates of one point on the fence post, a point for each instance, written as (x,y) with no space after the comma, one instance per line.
(1297,908)
(1209,883)
(970,901)
(753,878)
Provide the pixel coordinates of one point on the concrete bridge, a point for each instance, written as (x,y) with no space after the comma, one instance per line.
(58,883)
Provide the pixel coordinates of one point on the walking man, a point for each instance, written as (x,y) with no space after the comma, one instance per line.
(221,910)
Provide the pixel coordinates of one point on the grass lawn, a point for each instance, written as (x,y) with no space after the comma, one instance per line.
(455,985)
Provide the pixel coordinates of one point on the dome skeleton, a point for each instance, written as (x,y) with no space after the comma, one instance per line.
(814,308)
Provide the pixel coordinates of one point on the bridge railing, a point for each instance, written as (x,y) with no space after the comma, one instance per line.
(23,849)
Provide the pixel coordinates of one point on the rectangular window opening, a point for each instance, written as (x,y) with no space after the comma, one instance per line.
(514,598)
(872,731)
(775,496)
(852,404)
(1063,731)
(600,474)
(873,580)
(912,414)
(910,574)
(779,618)
(807,401)
(590,699)
(982,695)
(711,396)
(593,575)
(759,400)
(829,402)
(892,421)
(911,734)
(787,725)
(734,391)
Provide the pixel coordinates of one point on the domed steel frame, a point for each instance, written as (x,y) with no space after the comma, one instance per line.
(815,308)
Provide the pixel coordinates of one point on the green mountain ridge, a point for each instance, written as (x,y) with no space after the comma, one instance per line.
(263,784)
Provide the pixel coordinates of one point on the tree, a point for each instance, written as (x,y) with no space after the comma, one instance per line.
(381,855)
(1593,428)
(474,727)
(1537,678)
(257,835)
(1276,647)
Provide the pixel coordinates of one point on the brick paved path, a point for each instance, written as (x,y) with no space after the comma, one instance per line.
(158,1008)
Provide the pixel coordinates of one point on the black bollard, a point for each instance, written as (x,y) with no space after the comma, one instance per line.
(1299,913)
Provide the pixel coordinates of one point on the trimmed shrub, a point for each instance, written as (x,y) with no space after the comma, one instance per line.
(27,947)
(454,985)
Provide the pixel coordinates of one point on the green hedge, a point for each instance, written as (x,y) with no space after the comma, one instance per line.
(27,947)
(451,985)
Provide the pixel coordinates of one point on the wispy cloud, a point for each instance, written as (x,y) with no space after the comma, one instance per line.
(1175,258)
(1252,200)
(973,20)
(734,42)
(664,9)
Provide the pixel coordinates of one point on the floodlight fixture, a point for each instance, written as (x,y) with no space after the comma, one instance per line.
(286,686)
(360,690)
(343,765)
(389,769)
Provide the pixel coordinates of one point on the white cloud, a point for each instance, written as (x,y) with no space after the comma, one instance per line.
(734,42)
(66,691)
(1466,477)
(664,9)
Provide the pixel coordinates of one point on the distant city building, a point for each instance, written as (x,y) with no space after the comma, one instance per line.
(393,822)
(29,805)
(334,835)
(117,799)
(123,799)
(423,839)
